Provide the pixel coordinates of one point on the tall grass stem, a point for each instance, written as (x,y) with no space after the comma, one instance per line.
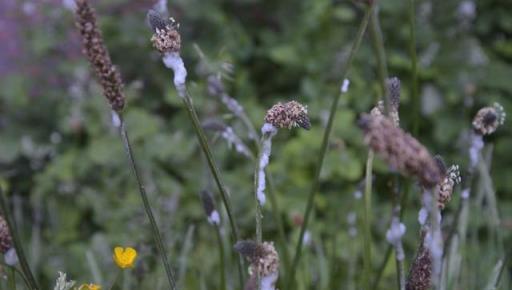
(323,148)
(367,222)
(414,67)
(17,242)
(147,207)
(203,142)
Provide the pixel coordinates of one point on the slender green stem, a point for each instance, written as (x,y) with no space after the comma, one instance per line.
(221,258)
(147,207)
(279,221)
(17,271)
(17,242)
(116,278)
(12,278)
(389,249)
(187,101)
(380,53)
(323,148)
(367,222)
(414,66)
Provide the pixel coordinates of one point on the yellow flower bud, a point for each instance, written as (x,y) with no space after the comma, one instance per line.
(125,257)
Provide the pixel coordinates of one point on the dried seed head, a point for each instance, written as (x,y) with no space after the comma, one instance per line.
(400,150)
(5,236)
(393,90)
(420,274)
(214,125)
(288,115)
(488,119)
(263,257)
(451,178)
(97,54)
(166,38)
(209,207)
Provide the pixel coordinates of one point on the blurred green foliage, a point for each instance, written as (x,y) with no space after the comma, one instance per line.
(75,197)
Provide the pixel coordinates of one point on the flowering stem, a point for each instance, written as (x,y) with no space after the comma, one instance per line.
(414,66)
(323,148)
(187,101)
(221,258)
(389,250)
(12,278)
(378,45)
(147,207)
(367,220)
(17,243)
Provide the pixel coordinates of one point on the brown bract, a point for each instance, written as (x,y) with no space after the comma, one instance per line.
(97,54)
(400,150)
(166,40)
(288,115)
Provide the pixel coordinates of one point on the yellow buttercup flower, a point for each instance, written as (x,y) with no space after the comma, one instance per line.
(125,257)
(89,287)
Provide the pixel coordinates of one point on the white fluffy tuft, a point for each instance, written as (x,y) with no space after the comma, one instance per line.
(174,61)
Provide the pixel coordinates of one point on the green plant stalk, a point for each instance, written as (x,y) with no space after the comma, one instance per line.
(414,67)
(12,278)
(380,53)
(203,142)
(221,258)
(389,249)
(17,271)
(147,207)
(323,148)
(116,278)
(367,222)
(17,242)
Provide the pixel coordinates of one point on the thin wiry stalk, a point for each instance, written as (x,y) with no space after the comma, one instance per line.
(147,207)
(17,271)
(367,219)
(400,268)
(389,250)
(203,142)
(378,44)
(323,148)
(414,66)
(221,258)
(17,243)
(12,278)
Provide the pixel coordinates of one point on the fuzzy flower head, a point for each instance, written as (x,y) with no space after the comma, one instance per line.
(5,236)
(288,115)
(451,178)
(166,38)
(400,150)
(89,286)
(488,119)
(125,257)
(97,54)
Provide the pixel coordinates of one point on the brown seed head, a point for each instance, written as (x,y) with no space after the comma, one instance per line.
(288,115)
(263,257)
(97,54)
(400,150)
(208,202)
(393,91)
(488,119)
(451,178)
(5,236)
(166,38)
(420,274)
